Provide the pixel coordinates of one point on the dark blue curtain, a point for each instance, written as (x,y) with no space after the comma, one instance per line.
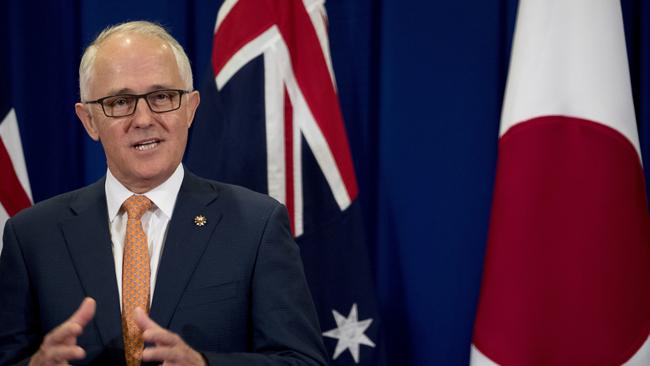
(421,85)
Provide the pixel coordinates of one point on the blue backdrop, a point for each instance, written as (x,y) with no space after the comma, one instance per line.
(421,85)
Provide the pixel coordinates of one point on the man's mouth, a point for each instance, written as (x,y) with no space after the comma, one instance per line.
(146,145)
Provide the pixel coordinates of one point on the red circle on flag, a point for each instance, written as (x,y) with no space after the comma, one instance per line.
(567,270)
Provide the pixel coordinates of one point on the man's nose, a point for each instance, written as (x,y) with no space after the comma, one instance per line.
(143,116)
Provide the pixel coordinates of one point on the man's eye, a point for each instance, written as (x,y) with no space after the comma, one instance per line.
(161,97)
(118,102)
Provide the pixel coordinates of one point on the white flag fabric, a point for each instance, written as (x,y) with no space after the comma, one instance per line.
(567,269)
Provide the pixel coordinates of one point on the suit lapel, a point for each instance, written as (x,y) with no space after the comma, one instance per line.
(88,240)
(185,244)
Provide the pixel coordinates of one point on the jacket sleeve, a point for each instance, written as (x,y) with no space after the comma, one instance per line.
(285,324)
(19,335)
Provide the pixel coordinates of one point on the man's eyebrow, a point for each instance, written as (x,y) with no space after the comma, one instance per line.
(121,91)
(131,91)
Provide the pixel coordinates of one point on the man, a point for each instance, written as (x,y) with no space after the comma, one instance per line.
(197,271)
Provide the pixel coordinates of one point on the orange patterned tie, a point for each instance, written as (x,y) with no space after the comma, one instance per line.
(135,277)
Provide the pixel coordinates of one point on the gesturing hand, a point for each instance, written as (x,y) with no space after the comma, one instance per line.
(60,345)
(170,349)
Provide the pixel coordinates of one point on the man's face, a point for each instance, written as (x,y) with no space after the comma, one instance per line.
(143,149)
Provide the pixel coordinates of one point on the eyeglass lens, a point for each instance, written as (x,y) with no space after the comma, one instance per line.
(158,101)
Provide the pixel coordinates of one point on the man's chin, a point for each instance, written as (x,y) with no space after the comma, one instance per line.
(142,181)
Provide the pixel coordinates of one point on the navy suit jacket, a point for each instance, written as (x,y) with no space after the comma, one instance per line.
(233,289)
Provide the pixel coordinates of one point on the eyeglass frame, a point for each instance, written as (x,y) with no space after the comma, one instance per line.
(137,97)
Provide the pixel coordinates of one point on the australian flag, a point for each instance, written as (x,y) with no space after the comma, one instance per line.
(15,192)
(270,120)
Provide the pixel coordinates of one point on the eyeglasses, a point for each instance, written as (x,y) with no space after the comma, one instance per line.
(122,105)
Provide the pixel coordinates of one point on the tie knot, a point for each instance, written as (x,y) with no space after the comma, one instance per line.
(136,206)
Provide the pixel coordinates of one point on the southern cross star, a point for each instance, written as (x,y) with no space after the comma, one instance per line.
(350,333)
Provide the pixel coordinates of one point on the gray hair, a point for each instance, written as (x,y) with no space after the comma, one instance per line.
(140,27)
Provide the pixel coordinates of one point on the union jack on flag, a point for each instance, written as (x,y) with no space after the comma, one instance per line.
(300,96)
(270,120)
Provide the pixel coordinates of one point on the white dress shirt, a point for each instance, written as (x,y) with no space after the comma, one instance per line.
(154,221)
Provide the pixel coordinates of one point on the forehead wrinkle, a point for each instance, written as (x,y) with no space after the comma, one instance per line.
(126,57)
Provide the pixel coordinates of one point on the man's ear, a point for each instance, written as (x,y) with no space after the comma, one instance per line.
(87,120)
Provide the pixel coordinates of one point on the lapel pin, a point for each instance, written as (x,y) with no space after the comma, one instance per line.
(200,220)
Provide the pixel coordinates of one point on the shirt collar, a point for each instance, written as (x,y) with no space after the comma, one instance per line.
(163,196)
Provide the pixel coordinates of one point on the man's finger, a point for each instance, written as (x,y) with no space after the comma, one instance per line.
(158,354)
(143,321)
(152,332)
(161,337)
(68,332)
(66,353)
(63,333)
(85,312)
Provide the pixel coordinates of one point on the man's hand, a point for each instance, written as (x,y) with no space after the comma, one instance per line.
(60,345)
(169,348)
